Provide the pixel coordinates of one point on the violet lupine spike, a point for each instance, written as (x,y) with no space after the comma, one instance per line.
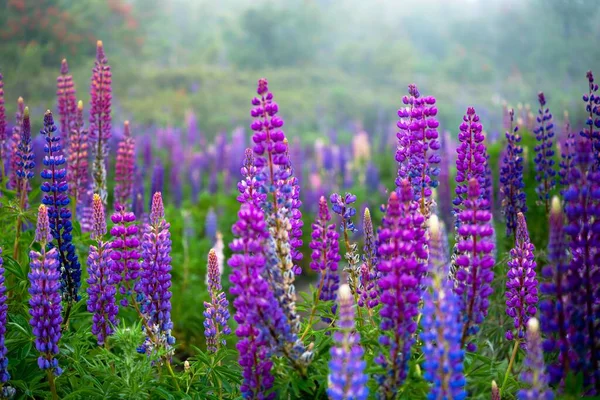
(521,285)
(347,379)
(216,312)
(582,208)
(45,306)
(102,291)
(15,140)
(418,146)
(77,165)
(158,177)
(473,261)
(402,249)
(155,281)
(124,169)
(3,135)
(295,217)
(534,373)
(125,252)
(4,375)
(511,179)
(369,293)
(553,309)
(567,158)
(55,197)
(592,108)
(26,162)
(250,187)
(100,119)
(211,225)
(67,104)
(544,157)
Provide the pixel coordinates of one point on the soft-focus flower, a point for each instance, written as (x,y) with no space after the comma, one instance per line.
(45,306)
(211,225)
(124,168)
(544,157)
(347,378)
(369,292)
(67,104)
(534,373)
(101,290)
(3,135)
(158,178)
(592,124)
(216,312)
(125,252)
(567,158)
(4,375)
(77,166)
(15,140)
(25,163)
(249,187)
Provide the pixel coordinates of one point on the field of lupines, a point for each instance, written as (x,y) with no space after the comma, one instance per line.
(156,265)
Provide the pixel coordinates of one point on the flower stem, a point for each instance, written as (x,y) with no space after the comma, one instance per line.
(170,369)
(52,384)
(510,364)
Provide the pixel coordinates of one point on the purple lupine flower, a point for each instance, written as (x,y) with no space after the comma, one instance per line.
(125,252)
(158,178)
(369,293)
(295,219)
(67,104)
(211,225)
(249,187)
(544,157)
(138,202)
(473,261)
(77,166)
(45,306)
(3,135)
(582,208)
(534,373)
(553,309)
(418,146)
(100,119)
(15,140)
(216,311)
(521,285)
(25,163)
(124,168)
(196,176)
(325,253)
(592,107)
(372,179)
(441,336)
(347,379)
(101,290)
(402,249)
(511,180)
(155,281)
(567,158)
(4,375)
(444,195)
(471,160)
(55,197)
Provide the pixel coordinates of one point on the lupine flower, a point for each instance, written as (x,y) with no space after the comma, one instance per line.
(592,107)
(45,306)
(521,285)
(441,336)
(77,172)
(544,157)
(124,168)
(372,179)
(534,373)
(138,203)
(582,208)
(347,378)
(511,180)
(4,375)
(101,290)
(567,158)
(219,249)
(438,247)
(402,249)
(418,146)
(100,119)
(155,280)
(495,391)
(249,187)
(25,163)
(15,140)
(3,136)
(443,192)
(211,225)
(67,105)
(553,308)
(158,177)
(471,160)
(216,311)
(369,293)
(55,197)
(473,261)
(125,252)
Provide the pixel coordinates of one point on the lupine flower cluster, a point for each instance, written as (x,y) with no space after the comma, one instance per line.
(511,179)
(25,161)
(124,168)
(418,146)
(67,104)
(211,225)
(402,251)
(592,108)
(544,157)
(521,285)
(369,291)
(249,187)
(125,252)
(4,375)
(77,166)
(45,305)
(534,373)
(55,197)
(15,140)
(567,158)
(101,290)
(3,136)
(216,311)
(347,378)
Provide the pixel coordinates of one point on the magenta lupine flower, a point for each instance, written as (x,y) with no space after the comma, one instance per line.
(567,158)
(124,168)
(347,379)
(250,187)
(592,107)
(511,180)
(534,373)
(101,290)
(544,158)
(582,208)
(402,255)
(369,292)
(155,280)
(216,312)
(125,252)
(418,146)
(45,305)
(521,285)
(15,140)
(100,119)
(3,135)
(473,261)
(25,163)
(4,375)
(67,105)
(77,165)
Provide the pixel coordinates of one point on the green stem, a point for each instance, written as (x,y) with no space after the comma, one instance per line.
(510,364)
(170,369)
(314,307)
(52,384)
(17,238)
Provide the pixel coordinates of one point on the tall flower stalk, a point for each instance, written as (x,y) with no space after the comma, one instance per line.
(3,135)
(124,169)
(67,104)
(592,124)
(369,292)
(534,373)
(4,375)
(544,157)
(15,140)
(125,254)
(216,312)
(77,167)
(567,158)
